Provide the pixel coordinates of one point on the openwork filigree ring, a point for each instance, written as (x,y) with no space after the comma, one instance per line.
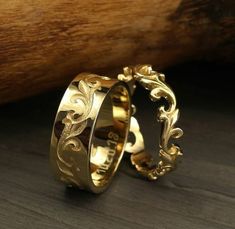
(168,153)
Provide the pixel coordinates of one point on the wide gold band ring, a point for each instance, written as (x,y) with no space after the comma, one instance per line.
(90,131)
(166,115)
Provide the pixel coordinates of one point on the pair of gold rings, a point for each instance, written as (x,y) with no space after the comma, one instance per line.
(93,122)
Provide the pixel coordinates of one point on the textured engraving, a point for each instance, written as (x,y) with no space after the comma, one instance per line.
(79,109)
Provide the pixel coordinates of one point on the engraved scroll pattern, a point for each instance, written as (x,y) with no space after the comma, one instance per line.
(74,123)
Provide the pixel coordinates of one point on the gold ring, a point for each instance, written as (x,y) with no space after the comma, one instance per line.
(90,131)
(169,153)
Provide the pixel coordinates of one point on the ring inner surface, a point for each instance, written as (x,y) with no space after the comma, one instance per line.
(109,135)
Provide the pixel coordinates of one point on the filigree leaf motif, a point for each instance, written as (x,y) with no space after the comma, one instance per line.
(162,114)
(74,143)
(156,94)
(66,172)
(175,116)
(144,71)
(176,133)
(84,88)
(165,156)
(77,129)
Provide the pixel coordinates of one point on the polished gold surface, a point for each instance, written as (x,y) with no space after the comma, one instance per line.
(167,116)
(90,131)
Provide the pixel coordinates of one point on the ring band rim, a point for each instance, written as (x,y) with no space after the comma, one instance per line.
(104,187)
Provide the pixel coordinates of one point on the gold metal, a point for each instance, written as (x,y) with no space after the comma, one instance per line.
(169,153)
(90,131)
